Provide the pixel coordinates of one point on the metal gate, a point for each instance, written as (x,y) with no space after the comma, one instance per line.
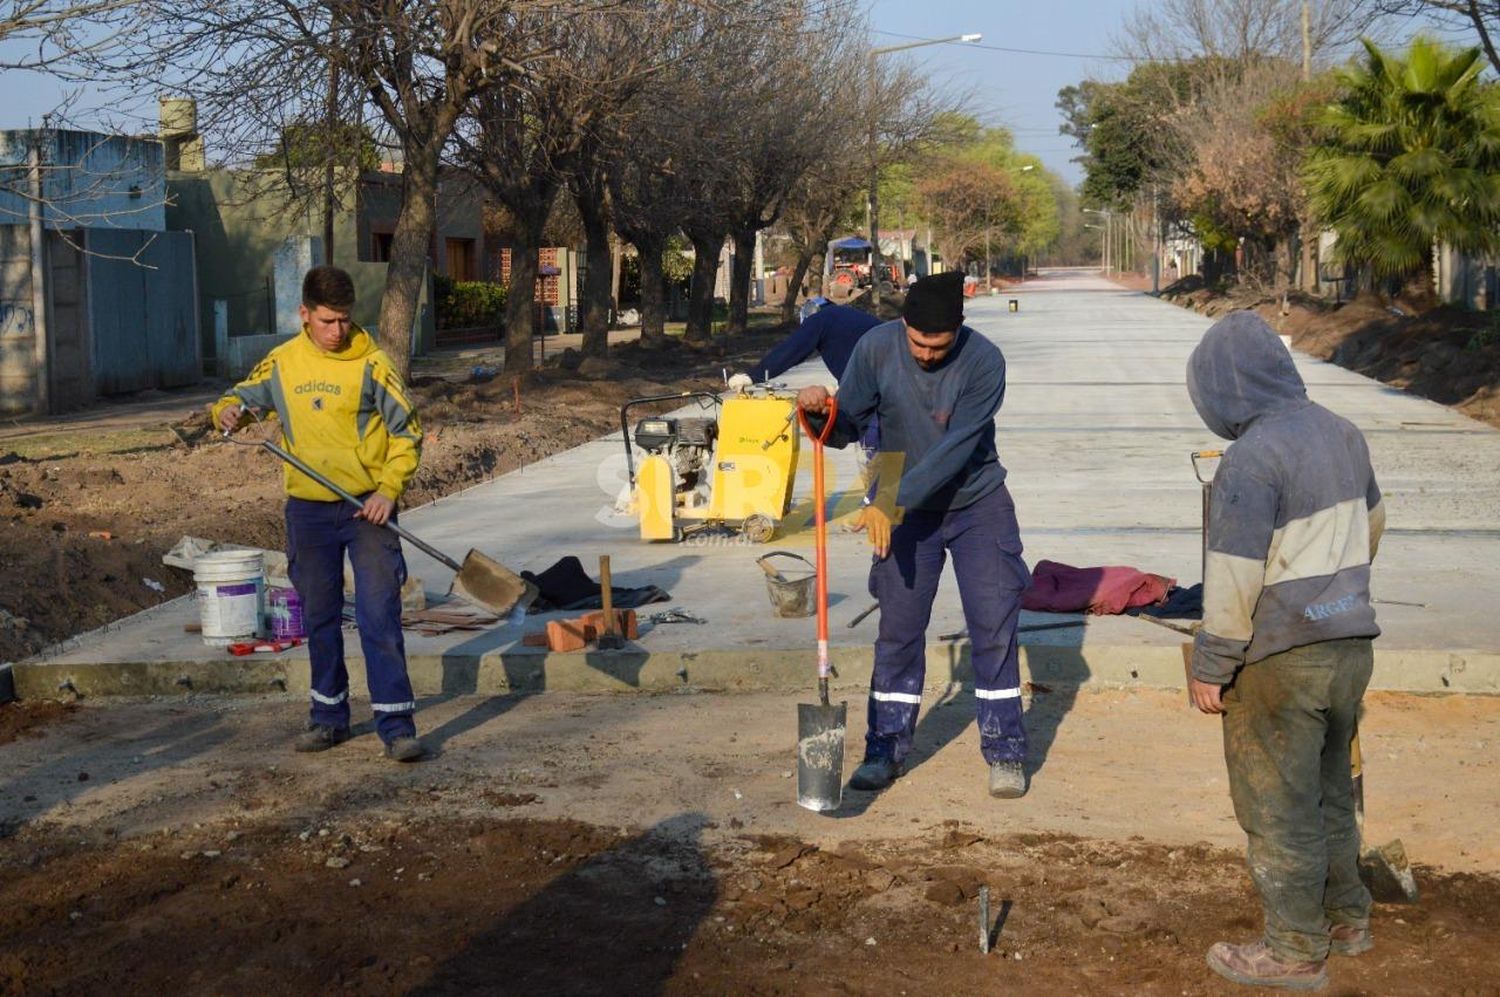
(143,305)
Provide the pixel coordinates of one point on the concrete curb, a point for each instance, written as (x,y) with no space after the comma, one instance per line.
(725,670)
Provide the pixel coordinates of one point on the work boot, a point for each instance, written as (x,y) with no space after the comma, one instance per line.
(875,773)
(1254,964)
(1007,780)
(405,749)
(1349,939)
(320,737)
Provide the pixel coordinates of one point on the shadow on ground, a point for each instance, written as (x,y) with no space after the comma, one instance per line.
(617,924)
(1058,671)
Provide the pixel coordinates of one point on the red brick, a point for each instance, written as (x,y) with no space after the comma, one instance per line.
(569,635)
(625,622)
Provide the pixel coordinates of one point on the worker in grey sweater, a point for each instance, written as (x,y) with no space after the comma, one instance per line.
(935,386)
(1285,651)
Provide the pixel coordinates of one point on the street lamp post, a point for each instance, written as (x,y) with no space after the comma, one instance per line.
(1109,226)
(1025,169)
(875,146)
(1100,230)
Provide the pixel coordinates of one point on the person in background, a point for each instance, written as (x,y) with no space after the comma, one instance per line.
(827,329)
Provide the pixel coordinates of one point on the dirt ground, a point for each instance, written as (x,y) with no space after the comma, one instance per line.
(620,844)
(87,509)
(565,843)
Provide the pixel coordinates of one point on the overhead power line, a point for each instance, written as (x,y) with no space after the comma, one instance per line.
(1023,51)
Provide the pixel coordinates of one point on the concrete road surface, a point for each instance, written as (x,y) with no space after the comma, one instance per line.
(1096,432)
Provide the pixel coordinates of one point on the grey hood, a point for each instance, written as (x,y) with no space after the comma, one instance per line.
(1239,372)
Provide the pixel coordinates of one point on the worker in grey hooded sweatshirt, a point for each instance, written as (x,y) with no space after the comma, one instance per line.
(1286,646)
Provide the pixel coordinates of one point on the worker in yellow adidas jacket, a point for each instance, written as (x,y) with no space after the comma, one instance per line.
(345,412)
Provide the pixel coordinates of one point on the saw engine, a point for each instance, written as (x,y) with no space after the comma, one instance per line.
(686,443)
(734,471)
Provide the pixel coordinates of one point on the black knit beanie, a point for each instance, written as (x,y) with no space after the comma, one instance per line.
(936,303)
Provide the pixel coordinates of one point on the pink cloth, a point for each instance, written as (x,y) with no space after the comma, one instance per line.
(1062,588)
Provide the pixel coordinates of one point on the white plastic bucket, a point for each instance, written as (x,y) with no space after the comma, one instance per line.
(231,590)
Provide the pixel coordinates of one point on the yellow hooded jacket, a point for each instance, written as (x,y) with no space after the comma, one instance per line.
(345,414)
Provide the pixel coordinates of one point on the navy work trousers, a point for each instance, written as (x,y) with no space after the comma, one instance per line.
(318,535)
(986,546)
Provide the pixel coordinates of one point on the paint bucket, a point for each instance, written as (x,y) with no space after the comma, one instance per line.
(284,608)
(230,588)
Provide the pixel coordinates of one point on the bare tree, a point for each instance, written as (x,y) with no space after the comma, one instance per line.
(417,63)
(648,193)
(610,60)
(794,112)
(1237,30)
(518,135)
(45,36)
(824,199)
(1248,137)
(908,117)
(1482,17)
(61,30)
(968,203)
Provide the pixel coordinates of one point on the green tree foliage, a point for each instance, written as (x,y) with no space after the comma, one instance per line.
(1126,129)
(466,304)
(1411,158)
(306,144)
(977,184)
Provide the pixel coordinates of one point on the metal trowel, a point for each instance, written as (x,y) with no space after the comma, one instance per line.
(821,726)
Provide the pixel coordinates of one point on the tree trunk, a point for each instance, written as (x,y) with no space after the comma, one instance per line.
(594,313)
(706,248)
(741,272)
(794,285)
(520,301)
(653,292)
(1285,263)
(616,272)
(407,269)
(1308,238)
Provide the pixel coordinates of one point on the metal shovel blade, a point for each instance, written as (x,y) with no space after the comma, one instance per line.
(486,582)
(1388,875)
(820,755)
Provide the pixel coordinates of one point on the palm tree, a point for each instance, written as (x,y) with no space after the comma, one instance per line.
(1411,158)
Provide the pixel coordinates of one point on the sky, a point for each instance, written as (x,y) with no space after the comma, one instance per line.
(1016,90)
(1066,41)
(1013,89)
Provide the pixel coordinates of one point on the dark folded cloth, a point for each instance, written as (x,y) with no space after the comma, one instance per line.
(1182,604)
(566,586)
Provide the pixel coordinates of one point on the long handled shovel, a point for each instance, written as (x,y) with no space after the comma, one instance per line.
(480,579)
(1385,870)
(820,726)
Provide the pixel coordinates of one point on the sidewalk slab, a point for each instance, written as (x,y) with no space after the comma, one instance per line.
(1096,431)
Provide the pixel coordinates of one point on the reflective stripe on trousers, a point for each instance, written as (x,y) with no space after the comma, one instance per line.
(986,546)
(318,534)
